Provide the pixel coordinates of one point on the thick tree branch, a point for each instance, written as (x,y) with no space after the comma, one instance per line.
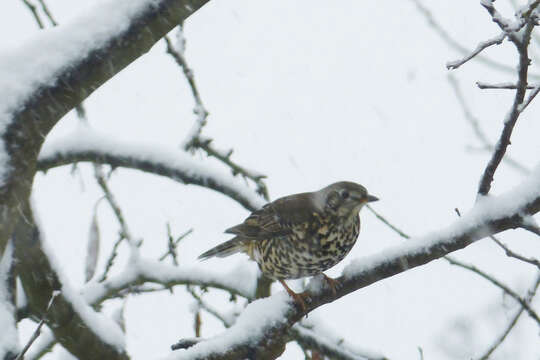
(88,145)
(141,271)
(259,328)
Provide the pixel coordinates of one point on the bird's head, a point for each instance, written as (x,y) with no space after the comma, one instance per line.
(344,198)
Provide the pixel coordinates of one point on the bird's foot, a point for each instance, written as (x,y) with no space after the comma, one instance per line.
(299,299)
(333,284)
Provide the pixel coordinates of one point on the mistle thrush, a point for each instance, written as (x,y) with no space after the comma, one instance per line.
(300,235)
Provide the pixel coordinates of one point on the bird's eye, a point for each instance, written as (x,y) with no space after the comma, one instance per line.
(345,194)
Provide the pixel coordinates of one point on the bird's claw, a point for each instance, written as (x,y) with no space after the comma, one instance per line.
(333,284)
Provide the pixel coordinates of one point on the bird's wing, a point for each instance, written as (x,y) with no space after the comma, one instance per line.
(277,218)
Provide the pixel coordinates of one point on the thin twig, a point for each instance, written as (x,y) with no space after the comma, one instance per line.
(497,283)
(452,65)
(445,36)
(172,244)
(102,182)
(35,14)
(387,223)
(510,253)
(47,12)
(36,333)
(512,323)
(209,309)
(110,260)
(195,140)
(206,145)
(200,110)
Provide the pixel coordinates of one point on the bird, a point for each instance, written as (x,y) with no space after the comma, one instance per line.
(300,235)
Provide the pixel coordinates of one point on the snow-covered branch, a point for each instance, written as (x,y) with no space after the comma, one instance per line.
(88,145)
(239,282)
(497,40)
(260,327)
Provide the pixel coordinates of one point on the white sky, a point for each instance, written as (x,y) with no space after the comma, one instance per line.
(308,94)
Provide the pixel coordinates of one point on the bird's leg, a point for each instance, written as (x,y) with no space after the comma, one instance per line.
(298,298)
(332,283)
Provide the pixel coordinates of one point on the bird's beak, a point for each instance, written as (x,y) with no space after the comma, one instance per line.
(371,198)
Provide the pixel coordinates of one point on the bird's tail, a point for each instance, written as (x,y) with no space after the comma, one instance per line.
(230,247)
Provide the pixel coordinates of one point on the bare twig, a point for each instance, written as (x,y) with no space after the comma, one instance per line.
(510,253)
(200,110)
(47,12)
(387,223)
(445,36)
(512,323)
(172,244)
(35,14)
(36,333)
(195,140)
(209,309)
(225,157)
(110,260)
(497,283)
(100,178)
(475,125)
(451,65)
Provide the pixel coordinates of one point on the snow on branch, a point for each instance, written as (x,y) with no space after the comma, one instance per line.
(260,328)
(88,145)
(238,282)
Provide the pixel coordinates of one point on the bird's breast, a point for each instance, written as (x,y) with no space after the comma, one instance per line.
(307,250)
